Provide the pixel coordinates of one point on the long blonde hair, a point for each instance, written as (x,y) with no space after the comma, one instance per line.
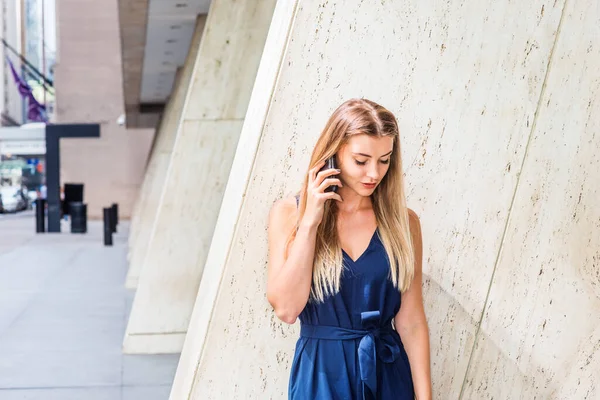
(355,117)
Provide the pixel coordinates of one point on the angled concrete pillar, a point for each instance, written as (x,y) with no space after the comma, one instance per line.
(156,171)
(466,94)
(184,385)
(144,188)
(206,139)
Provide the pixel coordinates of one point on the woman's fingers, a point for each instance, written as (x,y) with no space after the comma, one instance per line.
(328,182)
(332,196)
(313,172)
(321,176)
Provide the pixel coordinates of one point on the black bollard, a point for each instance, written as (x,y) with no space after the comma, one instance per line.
(78,213)
(114,209)
(40,215)
(115,206)
(108,228)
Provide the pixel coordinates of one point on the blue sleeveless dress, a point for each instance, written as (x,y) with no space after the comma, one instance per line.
(348,348)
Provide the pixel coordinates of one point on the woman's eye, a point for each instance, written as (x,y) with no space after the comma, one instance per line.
(385,161)
(360,162)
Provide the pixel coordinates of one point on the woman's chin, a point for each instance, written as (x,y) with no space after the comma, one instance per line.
(359,189)
(365,192)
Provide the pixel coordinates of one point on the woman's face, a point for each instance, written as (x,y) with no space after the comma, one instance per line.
(364,161)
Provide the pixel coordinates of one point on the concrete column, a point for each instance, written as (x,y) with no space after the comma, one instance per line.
(206,139)
(466,94)
(136,211)
(156,171)
(184,385)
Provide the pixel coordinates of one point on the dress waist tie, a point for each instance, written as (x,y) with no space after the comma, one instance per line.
(376,340)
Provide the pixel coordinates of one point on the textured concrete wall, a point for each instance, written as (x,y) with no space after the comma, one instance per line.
(500,170)
(540,334)
(89,89)
(156,172)
(206,139)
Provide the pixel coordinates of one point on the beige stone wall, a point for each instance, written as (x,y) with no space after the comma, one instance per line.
(89,89)
(539,335)
(497,106)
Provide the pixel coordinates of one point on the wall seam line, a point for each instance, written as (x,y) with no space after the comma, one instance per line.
(512,202)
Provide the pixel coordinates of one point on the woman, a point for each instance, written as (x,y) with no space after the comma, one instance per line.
(348,263)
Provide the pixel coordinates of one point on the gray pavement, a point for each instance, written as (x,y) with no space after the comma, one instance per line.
(63,314)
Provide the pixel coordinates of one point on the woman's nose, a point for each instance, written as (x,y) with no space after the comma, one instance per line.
(373,172)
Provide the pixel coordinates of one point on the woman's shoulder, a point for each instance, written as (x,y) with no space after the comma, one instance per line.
(284,211)
(287,203)
(414,223)
(412,216)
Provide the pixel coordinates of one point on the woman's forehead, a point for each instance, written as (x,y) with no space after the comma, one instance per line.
(375,146)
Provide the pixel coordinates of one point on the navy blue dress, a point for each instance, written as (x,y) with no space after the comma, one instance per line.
(347,347)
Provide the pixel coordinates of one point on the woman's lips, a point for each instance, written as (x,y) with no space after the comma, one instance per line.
(370,185)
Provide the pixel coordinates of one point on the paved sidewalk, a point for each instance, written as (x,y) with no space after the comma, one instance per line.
(63,313)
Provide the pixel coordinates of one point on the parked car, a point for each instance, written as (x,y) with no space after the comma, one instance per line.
(13,199)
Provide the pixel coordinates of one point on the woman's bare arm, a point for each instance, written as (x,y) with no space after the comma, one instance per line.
(411,322)
(289,279)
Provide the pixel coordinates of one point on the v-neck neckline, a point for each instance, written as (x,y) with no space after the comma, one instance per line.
(365,250)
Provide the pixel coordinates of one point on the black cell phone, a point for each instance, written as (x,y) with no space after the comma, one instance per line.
(330,164)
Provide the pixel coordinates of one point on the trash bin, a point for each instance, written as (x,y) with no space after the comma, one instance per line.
(78,213)
(73,193)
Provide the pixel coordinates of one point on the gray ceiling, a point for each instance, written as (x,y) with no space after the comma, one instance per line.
(168,35)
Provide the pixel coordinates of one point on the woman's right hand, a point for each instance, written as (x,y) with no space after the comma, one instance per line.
(316,195)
